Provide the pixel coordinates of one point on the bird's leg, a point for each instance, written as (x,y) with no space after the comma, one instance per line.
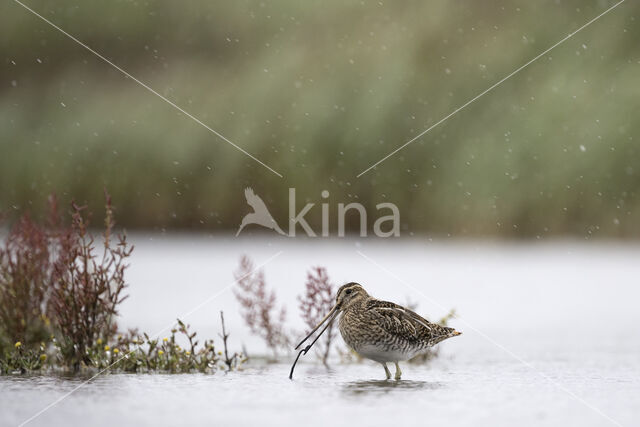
(398,372)
(386,371)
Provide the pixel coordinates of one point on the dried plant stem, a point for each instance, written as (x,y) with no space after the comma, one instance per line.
(229,361)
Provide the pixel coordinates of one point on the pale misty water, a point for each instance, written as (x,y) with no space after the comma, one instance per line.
(551,337)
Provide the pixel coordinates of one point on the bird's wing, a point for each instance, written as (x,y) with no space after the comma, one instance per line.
(402,321)
(254,201)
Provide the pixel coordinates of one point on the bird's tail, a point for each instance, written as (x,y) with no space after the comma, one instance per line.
(446,334)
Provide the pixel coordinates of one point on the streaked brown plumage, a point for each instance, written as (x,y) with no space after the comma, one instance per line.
(382,331)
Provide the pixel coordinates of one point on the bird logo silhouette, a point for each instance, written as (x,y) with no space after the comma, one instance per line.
(260,214)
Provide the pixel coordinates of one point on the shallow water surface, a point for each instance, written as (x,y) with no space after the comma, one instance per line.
(450,392)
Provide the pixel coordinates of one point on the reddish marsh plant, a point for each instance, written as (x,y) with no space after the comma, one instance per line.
(25,277)
(318,299)
(258,306)
(87,287)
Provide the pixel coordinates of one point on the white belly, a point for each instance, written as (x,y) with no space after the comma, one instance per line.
(380,355)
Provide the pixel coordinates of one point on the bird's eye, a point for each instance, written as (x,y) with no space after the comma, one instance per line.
(348,291)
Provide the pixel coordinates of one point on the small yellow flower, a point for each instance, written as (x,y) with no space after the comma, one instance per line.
(107,348)
(165,339)
(18,344)
(99,341)
(187,352)
(219,353)
(160,352)
(116,351)
(43,357)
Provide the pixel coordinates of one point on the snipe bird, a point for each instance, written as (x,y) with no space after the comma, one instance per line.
(380,330)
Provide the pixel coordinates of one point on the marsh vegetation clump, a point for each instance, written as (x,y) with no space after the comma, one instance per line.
(60,289)
(129,352)
(315,303)
(258,307)
(86,285)
(25,277)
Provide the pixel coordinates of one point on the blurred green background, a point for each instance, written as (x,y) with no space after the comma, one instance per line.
(319,91)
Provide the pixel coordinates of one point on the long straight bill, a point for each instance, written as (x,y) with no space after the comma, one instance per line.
(331,314)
